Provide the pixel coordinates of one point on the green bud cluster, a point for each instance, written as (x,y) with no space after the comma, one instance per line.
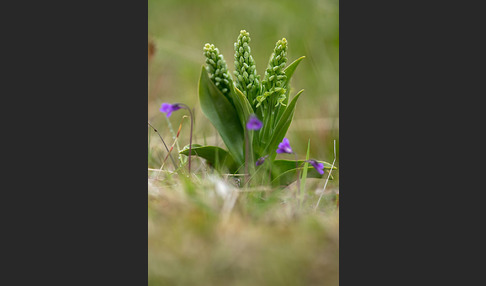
(217,69)
(275,77)
(245,72)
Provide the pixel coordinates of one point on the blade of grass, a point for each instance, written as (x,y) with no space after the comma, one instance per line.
(174,137)
(175,141)
(304,176)
(149,149)
(165,145)
(325,184)
(177,137)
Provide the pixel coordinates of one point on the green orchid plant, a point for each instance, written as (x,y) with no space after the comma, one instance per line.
(252,115)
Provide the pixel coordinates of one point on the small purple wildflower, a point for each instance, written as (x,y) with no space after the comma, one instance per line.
(254,123)
(261,160)
(318,166)
(168,108)
(284,147)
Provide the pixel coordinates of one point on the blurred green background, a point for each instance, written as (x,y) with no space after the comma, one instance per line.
(179,29)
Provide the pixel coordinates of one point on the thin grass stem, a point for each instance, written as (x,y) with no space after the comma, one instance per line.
(165,145)
(190,135)
(325,184)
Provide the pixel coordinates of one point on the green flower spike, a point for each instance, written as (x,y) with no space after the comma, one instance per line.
(275,75)
(218,70)
(245,72)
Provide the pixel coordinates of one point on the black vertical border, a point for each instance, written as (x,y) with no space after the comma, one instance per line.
(410,142)
(81,196)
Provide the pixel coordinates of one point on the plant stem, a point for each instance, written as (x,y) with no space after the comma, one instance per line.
(190,135)
(325,184)
(298,173)
(246,157)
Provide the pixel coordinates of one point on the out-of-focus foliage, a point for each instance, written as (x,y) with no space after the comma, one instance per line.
(211,233)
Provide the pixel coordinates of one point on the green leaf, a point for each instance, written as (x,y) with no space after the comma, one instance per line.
(304,175)
(284,172)
(290,69)
(215,156)
(282,127)
(243,106)
(283,165)
(222,115)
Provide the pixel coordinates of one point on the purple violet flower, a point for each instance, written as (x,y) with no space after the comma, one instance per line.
(261,160)
(254,123)
(168,108)
(318,166)
(284,147)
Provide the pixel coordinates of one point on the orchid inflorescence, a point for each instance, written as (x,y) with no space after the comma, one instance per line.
(218,70)
(275,76)
(248,81)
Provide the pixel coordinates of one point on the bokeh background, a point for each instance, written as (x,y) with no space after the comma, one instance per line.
(179,29)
